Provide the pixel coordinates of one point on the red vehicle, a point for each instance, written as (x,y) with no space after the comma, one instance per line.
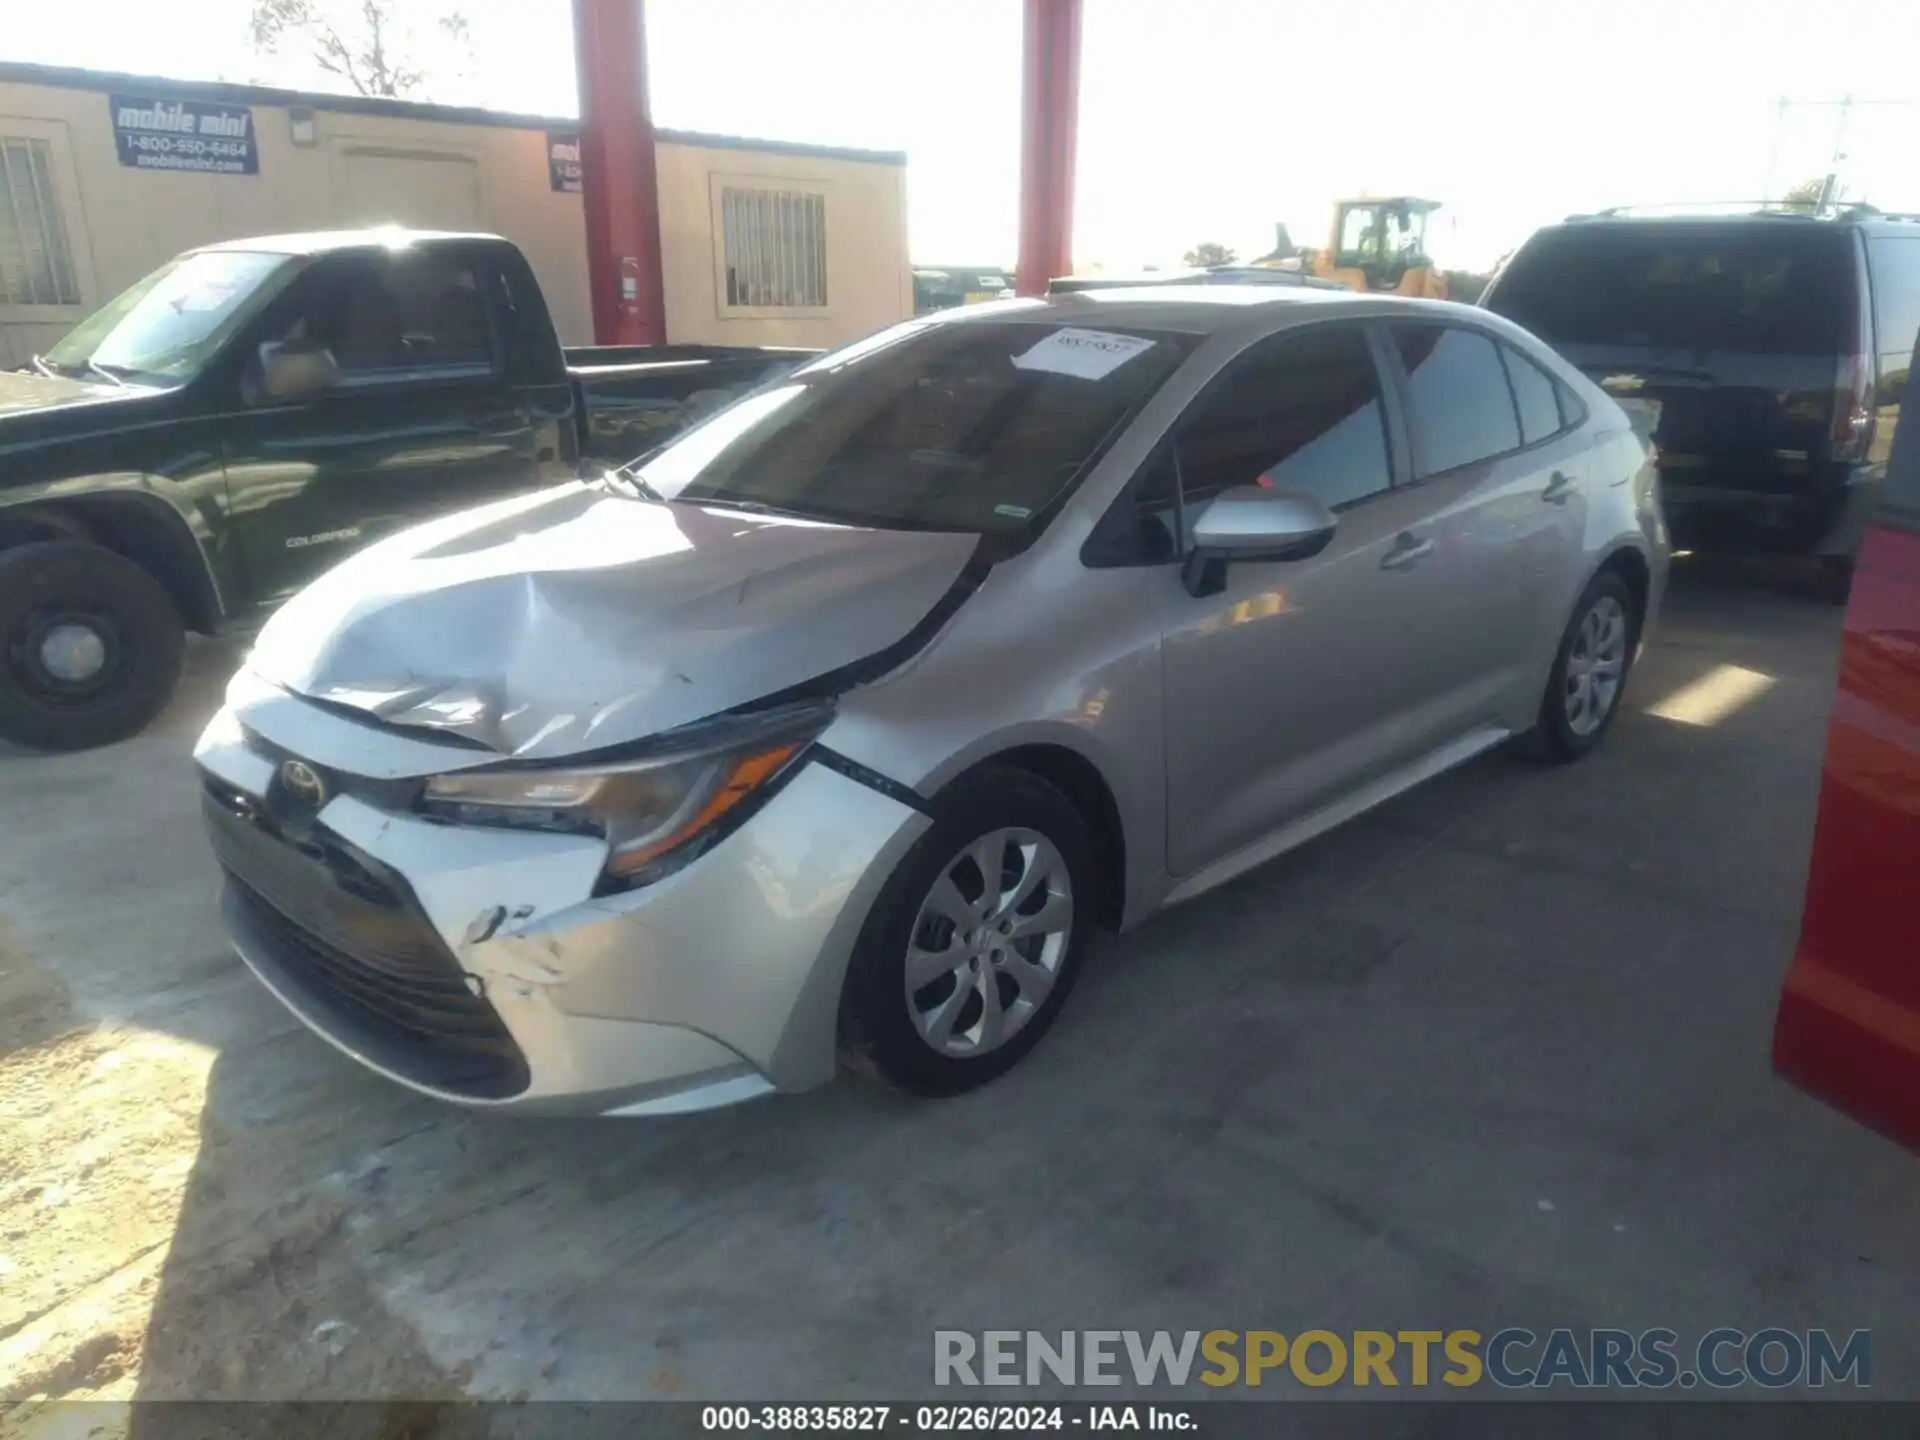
(1849,1022)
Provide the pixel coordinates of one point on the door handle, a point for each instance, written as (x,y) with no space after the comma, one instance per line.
(1408,551)
(1559,489)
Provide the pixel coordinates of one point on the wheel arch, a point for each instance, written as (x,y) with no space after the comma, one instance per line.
(1628,562)
(1081,779)
(137,524)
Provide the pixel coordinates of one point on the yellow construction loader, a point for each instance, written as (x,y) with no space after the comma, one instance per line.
(1376,245)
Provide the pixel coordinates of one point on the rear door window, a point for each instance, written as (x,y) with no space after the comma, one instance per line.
(1460,407)
(1773,286)
(1533,392)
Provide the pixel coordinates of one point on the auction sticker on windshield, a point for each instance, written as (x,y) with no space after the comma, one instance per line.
(1086,354)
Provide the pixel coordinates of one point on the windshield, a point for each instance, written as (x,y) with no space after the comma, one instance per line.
(165,327)
(974,426)
(1778,287)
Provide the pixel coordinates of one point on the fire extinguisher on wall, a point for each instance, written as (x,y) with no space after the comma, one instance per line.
(629,294)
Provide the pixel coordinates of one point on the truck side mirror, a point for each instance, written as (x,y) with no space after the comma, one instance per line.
(296,369)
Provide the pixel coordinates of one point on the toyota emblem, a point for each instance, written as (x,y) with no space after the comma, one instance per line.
(303,783)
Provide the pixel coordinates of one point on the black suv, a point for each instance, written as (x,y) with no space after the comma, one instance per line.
(1776,345)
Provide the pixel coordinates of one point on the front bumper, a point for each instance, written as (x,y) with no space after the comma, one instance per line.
(478,967)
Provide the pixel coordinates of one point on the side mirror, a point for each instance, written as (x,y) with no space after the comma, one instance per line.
(296,369)
(1251,522)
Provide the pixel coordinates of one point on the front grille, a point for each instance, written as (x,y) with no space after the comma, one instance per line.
(344,939)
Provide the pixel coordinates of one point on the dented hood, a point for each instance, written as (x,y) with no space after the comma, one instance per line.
(575,619)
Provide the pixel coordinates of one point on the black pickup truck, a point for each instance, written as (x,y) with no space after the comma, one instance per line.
(251,412)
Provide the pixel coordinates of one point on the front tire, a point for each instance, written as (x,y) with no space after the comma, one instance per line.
(976,939)
(1589,673)
(90,646)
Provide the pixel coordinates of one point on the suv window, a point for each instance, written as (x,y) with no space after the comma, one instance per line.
(1764,286)
(389,314)
(1894,261)
(1899,503)
(1460,408)
(1534,392)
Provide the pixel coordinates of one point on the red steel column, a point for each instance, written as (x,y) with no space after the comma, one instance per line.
(620,187)
(1049,116)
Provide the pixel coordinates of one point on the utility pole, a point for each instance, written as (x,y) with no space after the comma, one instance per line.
(1773,160)
(1843,108)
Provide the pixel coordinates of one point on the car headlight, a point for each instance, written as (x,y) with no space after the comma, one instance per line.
(655,811)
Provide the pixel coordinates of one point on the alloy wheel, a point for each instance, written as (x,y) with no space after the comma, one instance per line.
(988,942)
(1596,665)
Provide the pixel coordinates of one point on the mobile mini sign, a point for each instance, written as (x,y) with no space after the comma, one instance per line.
(194,135)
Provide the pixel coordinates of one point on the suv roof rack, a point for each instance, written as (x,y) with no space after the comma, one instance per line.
(1742,209)
(1736,207)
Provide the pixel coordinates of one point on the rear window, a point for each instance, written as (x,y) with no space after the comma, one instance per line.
(1764,287)
(1536,395)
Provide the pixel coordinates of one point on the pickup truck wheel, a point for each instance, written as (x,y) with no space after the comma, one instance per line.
(90,646)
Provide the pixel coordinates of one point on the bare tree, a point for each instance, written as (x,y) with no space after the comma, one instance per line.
(363,42)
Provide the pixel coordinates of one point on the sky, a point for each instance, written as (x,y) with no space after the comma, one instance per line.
(1203,120)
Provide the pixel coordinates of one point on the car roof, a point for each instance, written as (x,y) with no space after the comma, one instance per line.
(319,242)
(1195,309)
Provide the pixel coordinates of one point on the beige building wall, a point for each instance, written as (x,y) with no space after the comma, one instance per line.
(869,280)
(461,174)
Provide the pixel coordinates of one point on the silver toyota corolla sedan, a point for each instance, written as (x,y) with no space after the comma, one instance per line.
(829,731)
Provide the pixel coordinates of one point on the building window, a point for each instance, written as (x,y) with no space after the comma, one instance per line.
(36,266)
(776,248)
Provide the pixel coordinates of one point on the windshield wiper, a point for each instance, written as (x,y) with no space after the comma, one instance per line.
(629,480)
(39,362)
(761,507)
(97,368)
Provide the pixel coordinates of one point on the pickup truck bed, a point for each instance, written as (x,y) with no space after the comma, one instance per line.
(253,412)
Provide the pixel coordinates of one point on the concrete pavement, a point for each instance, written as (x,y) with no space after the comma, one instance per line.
(1494,1054)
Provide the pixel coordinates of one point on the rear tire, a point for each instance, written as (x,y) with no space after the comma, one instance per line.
(1590,670)
(90,646)
(1022,933)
